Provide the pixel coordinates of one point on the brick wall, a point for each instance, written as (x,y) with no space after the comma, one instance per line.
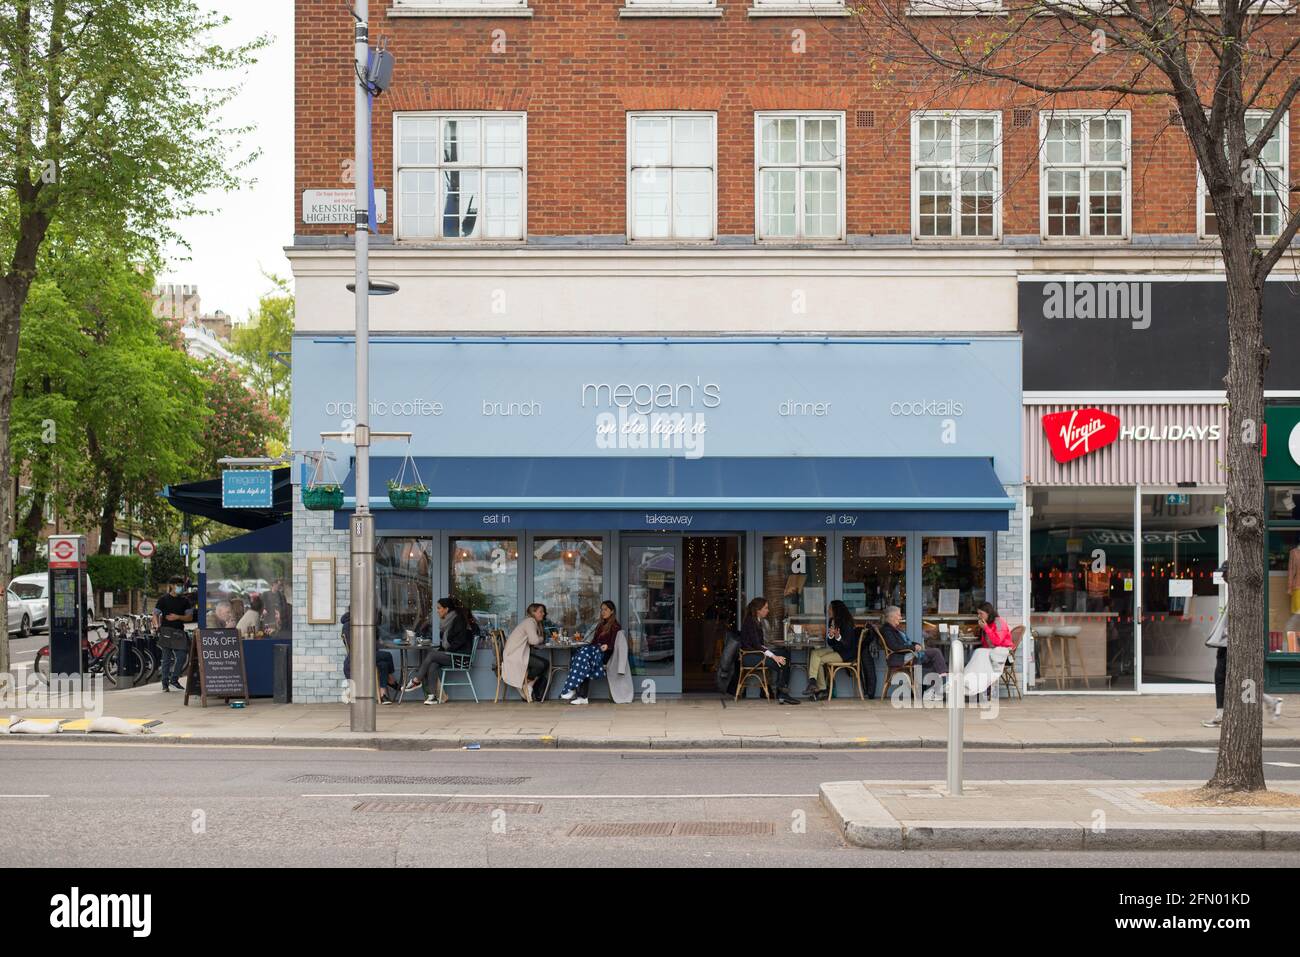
(317,651)
(576,68)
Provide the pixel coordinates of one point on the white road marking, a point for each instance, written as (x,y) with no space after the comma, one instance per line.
(1202,750)
(24,795)
(550,797)
(1282,764)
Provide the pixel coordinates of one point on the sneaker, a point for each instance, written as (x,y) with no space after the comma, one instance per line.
(1212,722)
(578,701)
(177,686)
(167,688)
(411,685)
(431,699)
(568,695)
(1277,708)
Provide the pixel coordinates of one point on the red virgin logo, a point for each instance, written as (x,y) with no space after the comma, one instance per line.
(1076,433)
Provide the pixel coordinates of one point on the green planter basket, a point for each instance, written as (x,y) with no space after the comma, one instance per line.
(320,498)
(408,497)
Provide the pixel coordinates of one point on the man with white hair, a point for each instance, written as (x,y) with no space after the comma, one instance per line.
(902,650)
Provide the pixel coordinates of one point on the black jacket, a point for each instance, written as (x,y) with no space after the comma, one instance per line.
(847,647)
(751,635)
(897,642)
(458,639)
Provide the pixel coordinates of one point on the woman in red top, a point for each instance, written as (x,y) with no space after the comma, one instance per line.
(993,628)
(589,661)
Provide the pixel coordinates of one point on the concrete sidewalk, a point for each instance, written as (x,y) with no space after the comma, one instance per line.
(1050,815)
(692,722)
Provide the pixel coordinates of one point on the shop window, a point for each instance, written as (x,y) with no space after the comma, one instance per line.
(1082,588)
(485,577)
(794,584)
(1284,591)
(404,587)
(1284,504)
(953,578)
(568,578)
(235,578)
(874,574)
(1180,599)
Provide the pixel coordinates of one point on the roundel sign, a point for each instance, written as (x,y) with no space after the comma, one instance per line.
(63,553)
(145,549)
(1293,444)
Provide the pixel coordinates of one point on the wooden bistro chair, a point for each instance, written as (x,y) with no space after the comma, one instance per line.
(1010,680)
(756,669)
(904,669)
(854,668)
(498,637)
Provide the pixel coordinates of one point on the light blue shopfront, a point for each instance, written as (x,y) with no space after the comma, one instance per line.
(657,471)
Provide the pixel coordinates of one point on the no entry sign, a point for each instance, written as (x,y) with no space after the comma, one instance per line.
(145,549)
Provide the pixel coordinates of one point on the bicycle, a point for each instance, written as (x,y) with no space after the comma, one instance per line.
(100,656)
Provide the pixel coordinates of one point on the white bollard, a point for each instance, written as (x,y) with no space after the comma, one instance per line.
(956,713)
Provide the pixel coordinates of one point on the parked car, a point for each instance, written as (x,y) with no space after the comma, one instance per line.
(29,603)
(255,586)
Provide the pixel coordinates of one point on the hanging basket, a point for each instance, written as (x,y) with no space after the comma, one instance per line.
(322,492)
(320,498)
(406,494)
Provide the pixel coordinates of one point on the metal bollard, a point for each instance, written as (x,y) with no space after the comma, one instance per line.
(956,714)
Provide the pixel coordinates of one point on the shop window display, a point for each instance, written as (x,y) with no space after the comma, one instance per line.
(485,576)
(794,584)
(234,578)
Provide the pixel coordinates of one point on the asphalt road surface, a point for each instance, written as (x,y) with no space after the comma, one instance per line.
(168,805)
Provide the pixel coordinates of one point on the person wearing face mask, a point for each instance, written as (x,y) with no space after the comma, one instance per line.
(169,617)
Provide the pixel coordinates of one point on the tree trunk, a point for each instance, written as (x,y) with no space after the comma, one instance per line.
(1241,761)
(32,528)
(108,515)
(13,293)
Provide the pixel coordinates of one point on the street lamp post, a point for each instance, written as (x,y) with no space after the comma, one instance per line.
(362,527)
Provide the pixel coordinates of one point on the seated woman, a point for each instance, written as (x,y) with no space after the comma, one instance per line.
(841,646)
(589,661)
(520,665)
(384,667)
(994,630)
(252,619)
(458,629)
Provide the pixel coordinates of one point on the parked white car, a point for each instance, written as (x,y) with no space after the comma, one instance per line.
(29,603)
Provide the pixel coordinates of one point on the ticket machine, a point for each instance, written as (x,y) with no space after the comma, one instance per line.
(69,602)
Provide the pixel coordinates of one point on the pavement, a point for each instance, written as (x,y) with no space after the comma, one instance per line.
(703,722)
(1050,815)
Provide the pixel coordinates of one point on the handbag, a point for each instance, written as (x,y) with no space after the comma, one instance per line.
(173,639)
(1219,634)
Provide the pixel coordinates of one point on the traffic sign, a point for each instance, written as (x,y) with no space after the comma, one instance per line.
(146,548)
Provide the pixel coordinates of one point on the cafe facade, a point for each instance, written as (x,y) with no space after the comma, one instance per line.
(678,475)
(1282,549)
(1125,432)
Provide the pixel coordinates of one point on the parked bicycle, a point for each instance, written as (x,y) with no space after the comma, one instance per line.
(101,653)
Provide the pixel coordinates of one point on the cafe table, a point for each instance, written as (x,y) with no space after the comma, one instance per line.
(405,667)
(792,645)
(551,646)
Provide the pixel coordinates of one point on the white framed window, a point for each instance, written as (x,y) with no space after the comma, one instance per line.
(1212,7)
(461,176)
(460,8)
(953,8)
(799,176)
(1270,187)
(670,8)
(672,161)
(1084,174)
(956,175)
(799,8)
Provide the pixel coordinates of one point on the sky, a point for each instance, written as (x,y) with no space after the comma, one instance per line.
(231,249)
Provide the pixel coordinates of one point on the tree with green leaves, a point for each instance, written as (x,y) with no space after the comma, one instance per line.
(105,134)
(263,343)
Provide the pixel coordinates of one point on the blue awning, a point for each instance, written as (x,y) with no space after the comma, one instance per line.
(273,538)
(661,492)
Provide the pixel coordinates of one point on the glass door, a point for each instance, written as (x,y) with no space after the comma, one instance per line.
(651,612)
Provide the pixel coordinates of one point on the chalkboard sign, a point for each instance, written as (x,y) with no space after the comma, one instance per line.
(216,666)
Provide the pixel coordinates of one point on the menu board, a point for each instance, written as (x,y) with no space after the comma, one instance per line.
(216,666)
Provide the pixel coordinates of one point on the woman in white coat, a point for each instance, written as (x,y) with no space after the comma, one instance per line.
(520,666)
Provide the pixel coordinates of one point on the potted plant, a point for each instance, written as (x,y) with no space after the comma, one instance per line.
(408,496)
(325,497)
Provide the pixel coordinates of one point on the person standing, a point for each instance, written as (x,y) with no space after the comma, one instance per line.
(170,614)
(1219,640)
(753,637)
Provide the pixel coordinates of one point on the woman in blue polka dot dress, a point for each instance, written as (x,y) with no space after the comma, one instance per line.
(589,661)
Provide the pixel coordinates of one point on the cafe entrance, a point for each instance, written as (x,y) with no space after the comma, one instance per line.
(681,594)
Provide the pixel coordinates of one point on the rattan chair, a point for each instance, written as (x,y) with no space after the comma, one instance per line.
(904,669)
(854,668)
(498,650)
(758,670)
(1010,680)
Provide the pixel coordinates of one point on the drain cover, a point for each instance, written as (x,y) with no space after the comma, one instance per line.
(675,829)
(635,829)
(400,779)
(445,807)
(718,757)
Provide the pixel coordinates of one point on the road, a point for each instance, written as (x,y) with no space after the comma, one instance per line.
(253,806)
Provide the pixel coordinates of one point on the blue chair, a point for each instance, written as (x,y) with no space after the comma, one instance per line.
(461,664)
